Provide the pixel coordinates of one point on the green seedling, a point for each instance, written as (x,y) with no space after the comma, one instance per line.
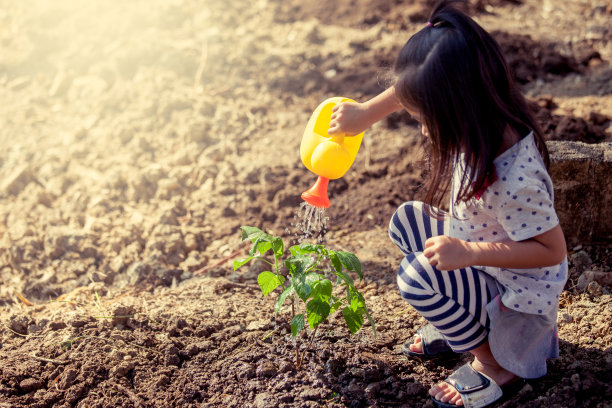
(314,291)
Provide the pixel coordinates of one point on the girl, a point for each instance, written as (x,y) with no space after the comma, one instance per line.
(487,273)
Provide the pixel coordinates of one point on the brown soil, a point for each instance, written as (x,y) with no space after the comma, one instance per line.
(139,135)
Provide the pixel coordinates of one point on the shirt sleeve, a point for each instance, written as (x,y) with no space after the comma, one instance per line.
(527,213)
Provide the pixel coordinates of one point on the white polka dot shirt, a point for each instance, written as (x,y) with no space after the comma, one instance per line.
(519,206)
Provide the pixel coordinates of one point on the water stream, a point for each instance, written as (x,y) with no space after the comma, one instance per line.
(310,224)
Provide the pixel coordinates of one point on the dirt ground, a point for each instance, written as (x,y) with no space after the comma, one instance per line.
(138,136)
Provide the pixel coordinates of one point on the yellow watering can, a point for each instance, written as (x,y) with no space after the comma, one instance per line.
(329,157)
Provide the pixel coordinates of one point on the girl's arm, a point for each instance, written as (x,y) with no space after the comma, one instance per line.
(353,118)
(547,249)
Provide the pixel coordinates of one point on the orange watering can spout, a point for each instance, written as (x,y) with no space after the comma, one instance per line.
(317,194)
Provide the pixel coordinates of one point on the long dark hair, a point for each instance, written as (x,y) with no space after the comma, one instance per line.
(453,72)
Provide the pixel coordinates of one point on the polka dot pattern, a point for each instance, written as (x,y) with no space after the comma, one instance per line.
(519,205)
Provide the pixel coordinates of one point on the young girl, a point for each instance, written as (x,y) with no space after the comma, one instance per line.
(487,273)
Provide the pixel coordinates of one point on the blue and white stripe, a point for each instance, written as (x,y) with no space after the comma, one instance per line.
(452,301)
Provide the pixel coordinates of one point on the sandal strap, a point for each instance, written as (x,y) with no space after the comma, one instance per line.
(476,389)
(432,340)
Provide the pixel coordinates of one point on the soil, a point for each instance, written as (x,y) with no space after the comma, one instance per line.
(139,136)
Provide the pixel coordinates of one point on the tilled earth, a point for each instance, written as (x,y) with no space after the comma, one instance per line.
(138,136)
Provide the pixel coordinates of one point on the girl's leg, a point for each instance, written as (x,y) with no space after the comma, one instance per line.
(410,227)
(452,301)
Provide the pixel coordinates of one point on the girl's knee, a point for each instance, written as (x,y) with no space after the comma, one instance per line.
(401,226)
(413,278)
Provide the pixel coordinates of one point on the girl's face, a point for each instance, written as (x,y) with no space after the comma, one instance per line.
(416,115)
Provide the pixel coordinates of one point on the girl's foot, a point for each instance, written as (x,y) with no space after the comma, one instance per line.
(416,345)
(445,392)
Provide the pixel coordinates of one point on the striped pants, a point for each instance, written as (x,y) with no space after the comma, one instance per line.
(452,301)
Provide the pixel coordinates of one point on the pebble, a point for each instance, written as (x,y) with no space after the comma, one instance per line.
(31,384)
(266,369)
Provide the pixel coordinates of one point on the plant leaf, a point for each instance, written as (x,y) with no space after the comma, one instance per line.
(302,288)
(252,233)
(322,290)
(278,246)
(305,249)
(317,311)
(297,324)
(240,263)
(268,281)
(367,313)
(281,299)
(350,262)
(335,304)
(299,263)
(261,245)
(335,260)
(354,320)
(346,278)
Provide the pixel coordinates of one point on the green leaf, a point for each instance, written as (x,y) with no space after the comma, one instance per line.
(322,289)
(317,311)
(297,324)
(350,262)
(306,249)
(281,299)
(261,245)
(299,263)
(355,298)
(239,263)
(354,320)
(335,304)
(345,277)
(253,233)
(302,288)
(335,260)
(278,247)
(367,313)
(355,304)
(269,281)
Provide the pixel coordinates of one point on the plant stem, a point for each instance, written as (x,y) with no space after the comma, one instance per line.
(312,336)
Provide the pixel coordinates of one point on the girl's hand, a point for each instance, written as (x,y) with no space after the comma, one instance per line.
(351,118)
(446,253)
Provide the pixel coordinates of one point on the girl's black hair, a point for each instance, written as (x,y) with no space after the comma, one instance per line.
(453,72)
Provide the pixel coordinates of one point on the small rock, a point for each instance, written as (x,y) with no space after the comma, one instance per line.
(171,356)
(372,389)
(78,322)
(581,260)
(121,314)
(57,325)
(19,324)
(192,350)
(603,278)
(122,369)
(565,317)
(31,384)
(266,369)
(594,289)
(527,389)
(172,360)
(68,377)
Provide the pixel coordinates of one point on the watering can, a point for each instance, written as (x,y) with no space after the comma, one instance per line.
(329,157)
